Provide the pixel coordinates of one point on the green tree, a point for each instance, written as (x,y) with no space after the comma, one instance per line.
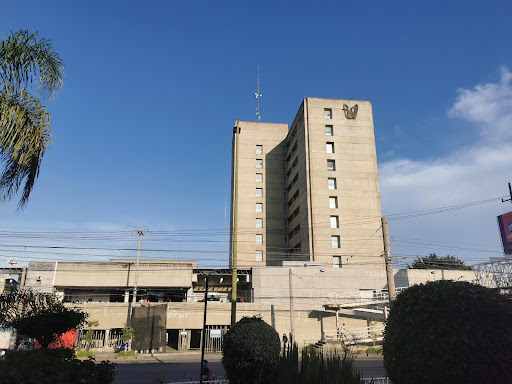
(88,336)
(38,315)
(251,352)
(449,332)
(435,262)
(30,73)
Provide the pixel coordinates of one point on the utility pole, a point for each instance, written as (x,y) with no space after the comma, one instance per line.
(510,192)
(234,272)
(203,341)
(292,334)
(389,264)
(140,232)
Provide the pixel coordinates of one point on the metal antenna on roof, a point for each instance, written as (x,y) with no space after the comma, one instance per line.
(258,95)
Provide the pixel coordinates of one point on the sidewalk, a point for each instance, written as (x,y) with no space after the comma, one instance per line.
(99,356)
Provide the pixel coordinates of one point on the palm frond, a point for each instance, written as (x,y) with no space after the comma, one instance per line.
(27,60)
(24,137)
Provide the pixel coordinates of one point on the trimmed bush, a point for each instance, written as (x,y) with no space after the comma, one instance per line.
(449,332)
(251,352)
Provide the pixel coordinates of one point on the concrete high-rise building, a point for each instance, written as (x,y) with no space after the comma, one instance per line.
(310,193)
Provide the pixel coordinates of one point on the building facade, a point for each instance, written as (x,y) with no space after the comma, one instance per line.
(307,301)
(310,193)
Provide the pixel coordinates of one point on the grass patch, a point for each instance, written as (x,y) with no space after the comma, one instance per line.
(126,354)
(374,350)
(84,353)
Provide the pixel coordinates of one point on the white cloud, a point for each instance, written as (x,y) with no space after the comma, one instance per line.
(473,173)
(488,105)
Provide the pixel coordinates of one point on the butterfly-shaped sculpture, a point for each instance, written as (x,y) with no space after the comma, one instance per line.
(350,113)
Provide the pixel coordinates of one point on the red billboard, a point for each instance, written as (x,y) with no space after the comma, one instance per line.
(505,223)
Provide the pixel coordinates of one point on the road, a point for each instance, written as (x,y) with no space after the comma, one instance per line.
(184,366)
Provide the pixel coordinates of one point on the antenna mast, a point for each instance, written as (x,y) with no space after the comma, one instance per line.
(258,95)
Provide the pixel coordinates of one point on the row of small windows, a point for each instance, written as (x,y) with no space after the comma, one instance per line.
(295,231)
(294,181)
(259,206)
(294,215)
(294,197)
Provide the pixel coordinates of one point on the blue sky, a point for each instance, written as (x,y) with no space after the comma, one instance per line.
(151,91)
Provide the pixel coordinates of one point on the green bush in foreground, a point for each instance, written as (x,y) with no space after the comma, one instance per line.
(251,352)
(449,332)
(53,366)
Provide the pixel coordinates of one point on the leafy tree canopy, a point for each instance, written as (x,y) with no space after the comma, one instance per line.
(435,262)
(449,332)
(38,315)
(251,352)
(30,72)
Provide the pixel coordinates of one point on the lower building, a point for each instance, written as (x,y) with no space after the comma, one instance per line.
(309,301)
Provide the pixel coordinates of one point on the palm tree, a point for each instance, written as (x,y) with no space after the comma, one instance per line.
(27,62)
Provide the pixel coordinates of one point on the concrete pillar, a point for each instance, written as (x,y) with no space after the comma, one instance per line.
(106,342)
(126,295)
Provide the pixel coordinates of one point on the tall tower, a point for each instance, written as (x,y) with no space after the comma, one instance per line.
(310,194)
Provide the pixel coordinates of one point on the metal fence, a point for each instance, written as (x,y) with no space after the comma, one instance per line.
(100,339)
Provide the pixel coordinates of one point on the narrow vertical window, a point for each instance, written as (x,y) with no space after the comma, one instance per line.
(259,192)
(259,163)
(259,149)
(333,202)
(259,239)
(331,182)
(259,223)
(329,147)
(331,165)
(336,261)
(328,130)
(259,255)
(335,240)
(328,113)
(259,177)
(334,222)
(259,207)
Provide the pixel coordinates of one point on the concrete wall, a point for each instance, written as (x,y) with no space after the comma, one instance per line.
(270,137)
(41,276)
(314,287)
(359,207)
(148,274)
(308,325)
(304,232)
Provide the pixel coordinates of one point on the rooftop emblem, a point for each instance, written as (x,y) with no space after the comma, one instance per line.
(350,113)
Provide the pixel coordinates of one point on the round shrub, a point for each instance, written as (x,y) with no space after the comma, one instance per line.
(251,352)
(449,332)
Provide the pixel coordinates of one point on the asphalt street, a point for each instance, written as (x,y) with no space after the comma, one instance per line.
(179,367)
